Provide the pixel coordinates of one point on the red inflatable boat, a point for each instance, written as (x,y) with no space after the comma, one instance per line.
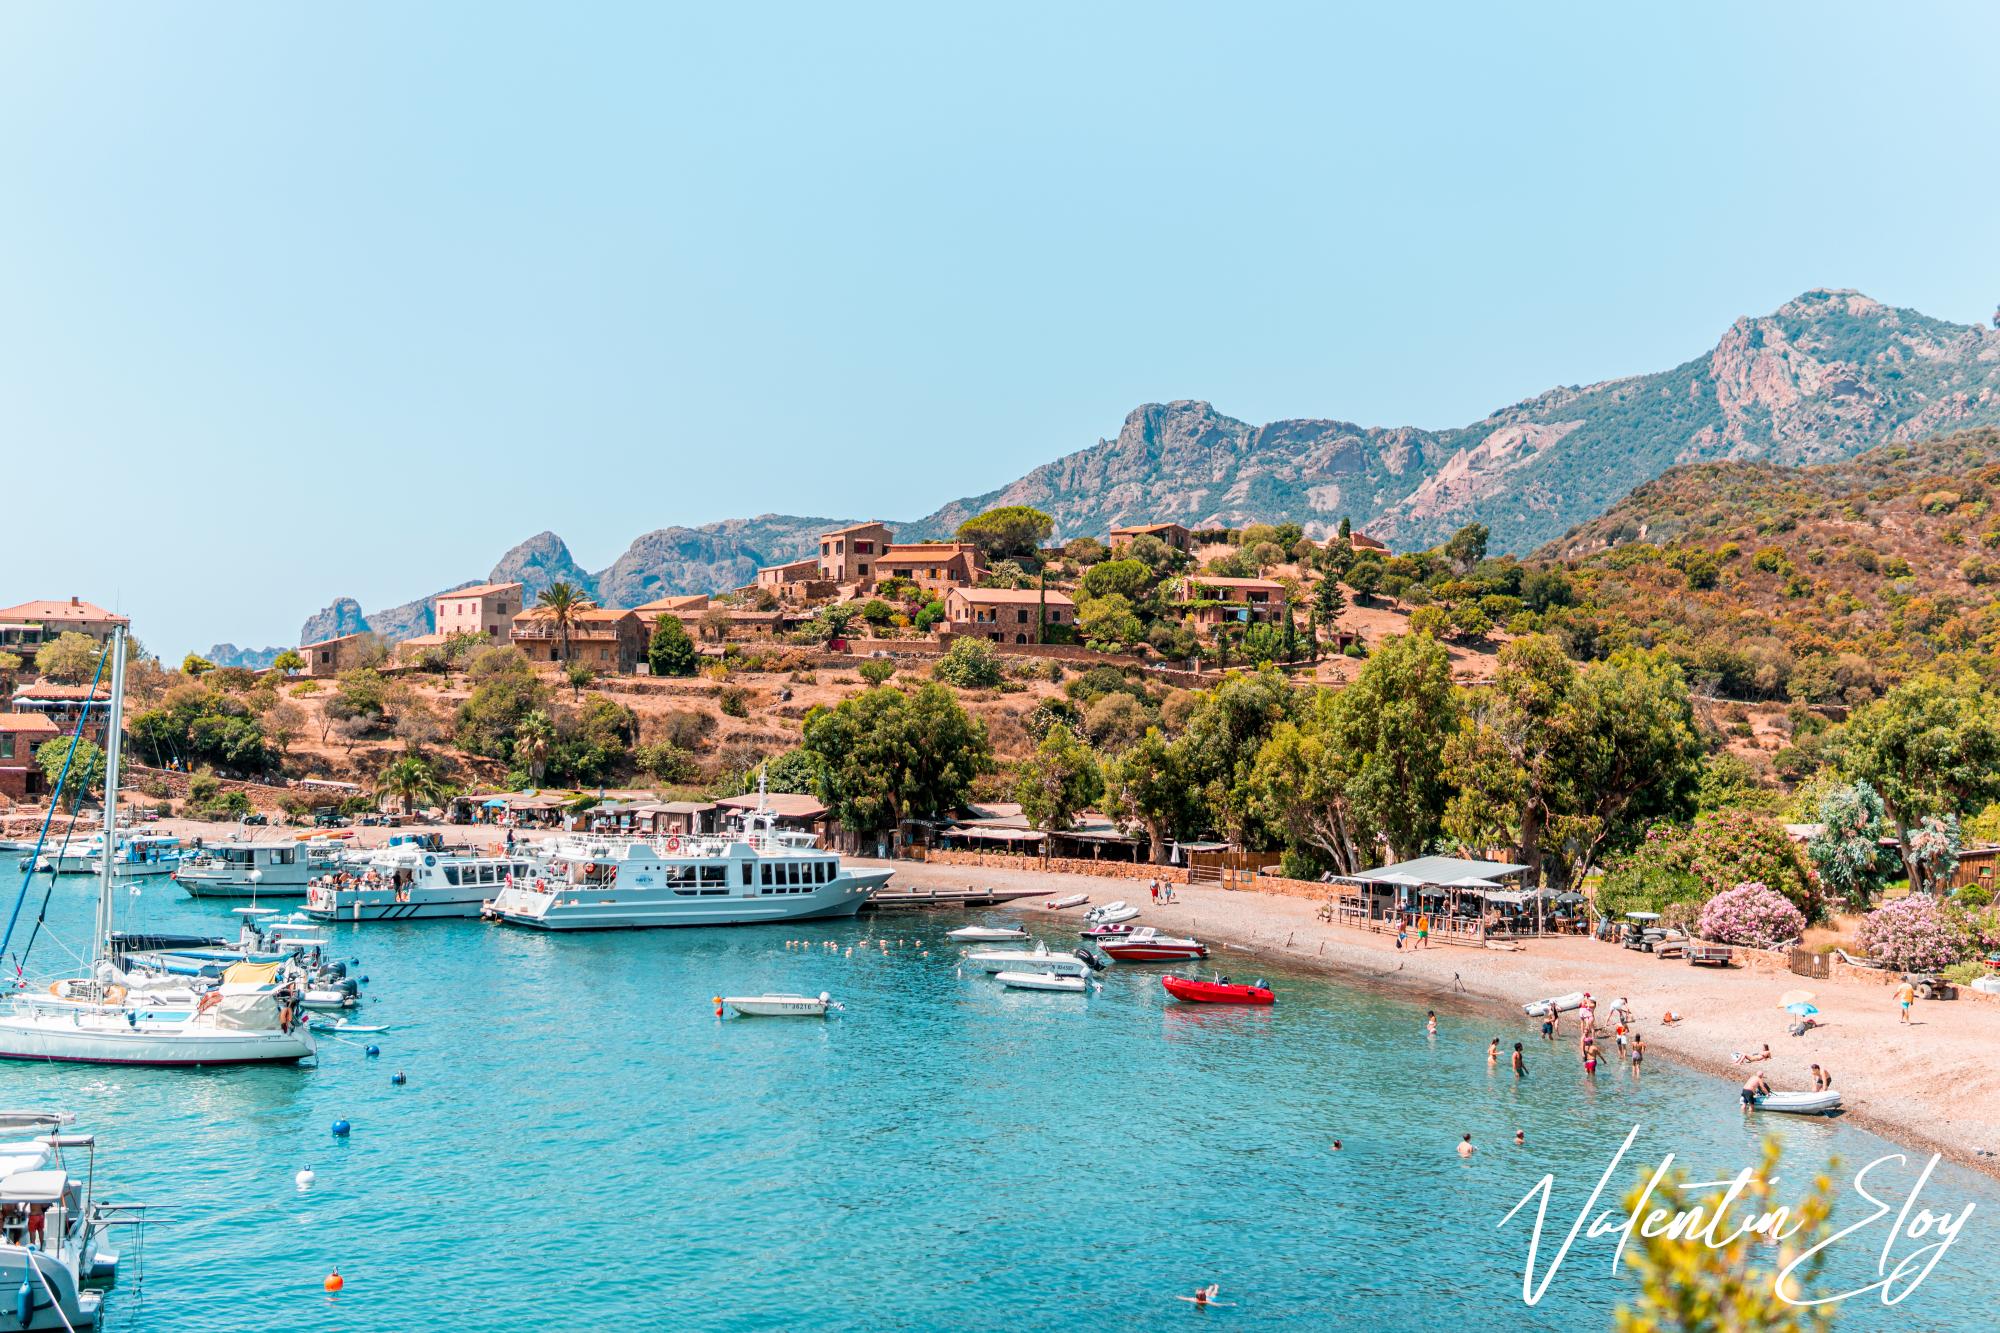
(1216,992)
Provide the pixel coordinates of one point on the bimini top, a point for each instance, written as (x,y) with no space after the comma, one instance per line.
(34,1187)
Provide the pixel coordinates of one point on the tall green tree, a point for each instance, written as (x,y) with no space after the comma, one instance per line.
(1299,788)
(889,755)
(1327,604)
(1846,852)
(1219,742)
(563,601)
(69,658)
(1058,781)
(1392,724)
(1149,785)
(86,770)
(1009,532)
(1931,746)
(670,652)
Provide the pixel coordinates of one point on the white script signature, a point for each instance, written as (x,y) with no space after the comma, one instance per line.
(1896,1277)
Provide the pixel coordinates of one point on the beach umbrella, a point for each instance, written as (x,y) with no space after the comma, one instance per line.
(1802,1009)
(1792,997)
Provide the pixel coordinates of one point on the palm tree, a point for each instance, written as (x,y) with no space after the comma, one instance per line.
(563,601)
(412,781)
(533,738)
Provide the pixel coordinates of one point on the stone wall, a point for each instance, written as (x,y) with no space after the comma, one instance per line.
(1055,865)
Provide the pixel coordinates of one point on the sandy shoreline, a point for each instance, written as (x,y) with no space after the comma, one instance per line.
(1931,1085)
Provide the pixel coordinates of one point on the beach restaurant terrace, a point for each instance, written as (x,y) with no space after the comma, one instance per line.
(1463,901)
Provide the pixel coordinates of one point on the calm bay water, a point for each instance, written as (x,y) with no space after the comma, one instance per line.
(582,1143)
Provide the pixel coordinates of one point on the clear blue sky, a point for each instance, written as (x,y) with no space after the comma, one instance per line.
(299,301)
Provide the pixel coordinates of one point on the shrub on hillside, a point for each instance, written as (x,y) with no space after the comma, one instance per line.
(970,664)
(1911,934)
(876,670)
(1753,915)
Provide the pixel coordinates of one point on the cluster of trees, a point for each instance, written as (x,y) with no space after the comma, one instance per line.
(513,716)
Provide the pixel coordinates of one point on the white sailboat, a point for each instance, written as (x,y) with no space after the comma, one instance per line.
(94,1020)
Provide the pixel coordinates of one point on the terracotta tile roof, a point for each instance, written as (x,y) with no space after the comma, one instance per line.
(854,527)
(899,553)
(73,609)
(1217,581)
(479,590)
(25,722)
(1010,596)
(51,690)
(338,638)
(680,602)
(1139,529)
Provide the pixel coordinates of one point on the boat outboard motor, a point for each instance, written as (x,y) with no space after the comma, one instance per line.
(1091,960)
(334,970)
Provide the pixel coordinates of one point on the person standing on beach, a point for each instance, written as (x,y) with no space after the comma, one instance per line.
(1423,932)
(1402,933)
(1906,995)
(1520,1062)
(1548,1027)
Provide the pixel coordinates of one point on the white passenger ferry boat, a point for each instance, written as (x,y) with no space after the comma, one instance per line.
(604,883)
(410,883)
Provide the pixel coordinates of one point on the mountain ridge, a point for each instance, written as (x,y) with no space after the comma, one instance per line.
(1826,376)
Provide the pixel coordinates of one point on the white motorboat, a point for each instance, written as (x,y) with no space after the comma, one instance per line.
(1799,1103)
(1073,900)
(988,933)
(269,869)
(51,1225)
(1037,959)
(1042,981)
(1111,913)
(140,855)
(1560,1004)
(781,1006)
(95,1020)
(413,883)
(599,882)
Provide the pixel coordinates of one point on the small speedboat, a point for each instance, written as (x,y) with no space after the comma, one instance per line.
(1041,981)
(1037,959)
(988,933)
(1219,991)
(1799,1103)
(1147,945)
(781,1006)
(1561,1004)
(1112,913)
(1106,932)
(1074,900)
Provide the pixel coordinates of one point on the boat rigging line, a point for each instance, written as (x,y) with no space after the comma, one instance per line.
(55,800)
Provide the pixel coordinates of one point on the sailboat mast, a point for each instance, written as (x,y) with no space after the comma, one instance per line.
(114,734)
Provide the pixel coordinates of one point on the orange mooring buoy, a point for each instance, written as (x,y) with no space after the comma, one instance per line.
(718,1006)
(334,1281)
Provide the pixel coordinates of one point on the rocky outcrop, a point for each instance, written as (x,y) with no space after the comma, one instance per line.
(343,617)
(229,655)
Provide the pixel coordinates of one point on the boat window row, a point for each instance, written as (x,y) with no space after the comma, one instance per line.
(487,872)
(789,876)
(244,856)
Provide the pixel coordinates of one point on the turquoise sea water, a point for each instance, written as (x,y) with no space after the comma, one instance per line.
(583,1144)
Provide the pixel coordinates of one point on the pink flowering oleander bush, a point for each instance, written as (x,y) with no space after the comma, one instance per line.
(1913,934)
(1751,914)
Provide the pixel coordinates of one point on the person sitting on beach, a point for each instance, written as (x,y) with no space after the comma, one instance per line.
(1738,1058)
(1822,1079)
(1754,1087)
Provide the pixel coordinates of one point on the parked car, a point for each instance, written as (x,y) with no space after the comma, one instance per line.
(330,819)
(256,818)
